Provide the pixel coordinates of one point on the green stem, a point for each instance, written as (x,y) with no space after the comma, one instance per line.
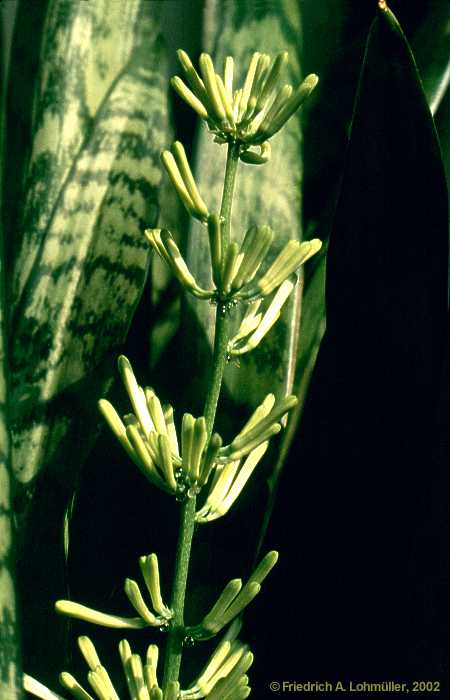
(228,191)
(176,636)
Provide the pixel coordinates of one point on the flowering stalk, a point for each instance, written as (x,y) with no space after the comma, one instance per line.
(187,519)
(243,119)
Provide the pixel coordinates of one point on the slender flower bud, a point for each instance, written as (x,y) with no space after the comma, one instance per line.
(189,97)
(150,573)
(233,599)
(290,258)
(279,62)
(163,243)
(186,173)
(180,173)
(75,689)
(82,612)
(32,686)
(196,83)
(210,82)
(255,326)
(228,76)
(246,90)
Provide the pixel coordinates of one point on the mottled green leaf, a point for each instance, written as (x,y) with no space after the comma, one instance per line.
(10,668)
(270,194)
(99,123)
(10,674)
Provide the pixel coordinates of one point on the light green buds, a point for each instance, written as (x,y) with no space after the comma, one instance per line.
(250,114)
(263,423)
(227,484)
(34,687)
(141,678)
(180,173)
(189,97)
(98,677)
(254,248)
(162,242)
(236,462)
(255,325)
(193,439)
(223,662)
(82,612)
(290,258)
(150,573)
(235,273)
(149,437)
(223,678)
(75,689)
(288,107)
(233,599)
(235,685)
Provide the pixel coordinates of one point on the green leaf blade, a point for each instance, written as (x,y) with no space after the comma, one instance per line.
(83,261)
(370,431)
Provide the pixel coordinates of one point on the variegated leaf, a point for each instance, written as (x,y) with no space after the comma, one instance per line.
(100,121)
(10,683)
(269,194)
(10,671)
(10,677)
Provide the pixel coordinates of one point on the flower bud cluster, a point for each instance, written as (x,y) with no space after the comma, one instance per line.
(235,273)
(249,115)
(149,437)
(223,678)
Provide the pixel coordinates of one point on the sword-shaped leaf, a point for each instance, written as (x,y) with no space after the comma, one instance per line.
(92,186)
(369,432)
(10,668)
(430,46)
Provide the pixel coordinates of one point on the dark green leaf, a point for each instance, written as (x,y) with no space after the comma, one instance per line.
(358,507)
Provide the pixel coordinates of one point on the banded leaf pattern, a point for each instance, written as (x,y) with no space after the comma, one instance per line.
(10,683)
(100,120)
(10,668)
